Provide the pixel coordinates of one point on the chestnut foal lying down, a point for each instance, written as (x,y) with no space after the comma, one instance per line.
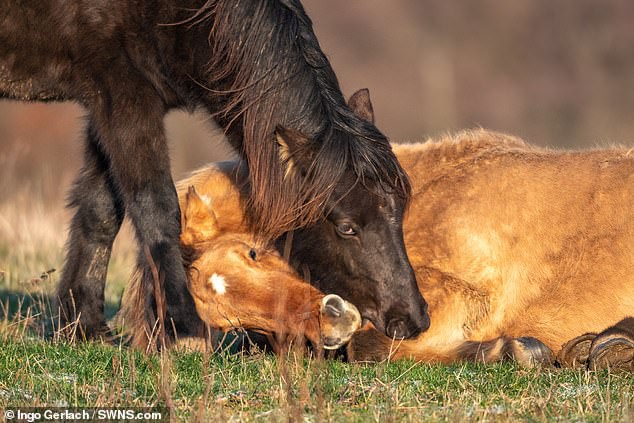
(236,280)
(517,249)
(513,243)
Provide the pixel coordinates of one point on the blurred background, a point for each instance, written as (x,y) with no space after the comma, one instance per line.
(558,74)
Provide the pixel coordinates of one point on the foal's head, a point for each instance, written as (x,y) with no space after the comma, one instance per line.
(357,250)
(238,282)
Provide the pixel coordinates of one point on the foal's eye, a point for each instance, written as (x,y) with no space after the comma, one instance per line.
(345,229)
(253,254)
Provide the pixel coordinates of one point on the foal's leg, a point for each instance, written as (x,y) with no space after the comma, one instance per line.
(95,224)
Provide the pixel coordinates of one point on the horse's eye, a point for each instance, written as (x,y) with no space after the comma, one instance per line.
(253,254)
(346,229)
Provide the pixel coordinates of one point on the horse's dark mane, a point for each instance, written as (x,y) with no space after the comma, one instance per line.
(267,69)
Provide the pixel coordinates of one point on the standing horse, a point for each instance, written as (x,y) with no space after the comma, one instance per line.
(255,67)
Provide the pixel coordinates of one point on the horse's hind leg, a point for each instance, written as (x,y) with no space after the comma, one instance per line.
(575,353)
(614,347)
(98,217)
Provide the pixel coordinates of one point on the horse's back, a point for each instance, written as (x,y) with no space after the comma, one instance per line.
(44,44)
(81,50)
(546,236)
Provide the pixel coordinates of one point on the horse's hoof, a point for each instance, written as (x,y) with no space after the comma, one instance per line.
(78,332)
(339,320)
(575,352)
(613,351)
(531,352)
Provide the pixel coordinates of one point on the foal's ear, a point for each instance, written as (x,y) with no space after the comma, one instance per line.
(295,150)
(361,105)
(199,220)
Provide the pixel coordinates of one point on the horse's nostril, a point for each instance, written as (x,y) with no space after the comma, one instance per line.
(397,328)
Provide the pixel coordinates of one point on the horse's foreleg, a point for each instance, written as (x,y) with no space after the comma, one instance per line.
(98,217)
(371,345)
(527,351)
(132,133)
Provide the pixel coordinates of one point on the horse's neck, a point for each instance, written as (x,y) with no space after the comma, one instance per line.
(432,159)
(264,67)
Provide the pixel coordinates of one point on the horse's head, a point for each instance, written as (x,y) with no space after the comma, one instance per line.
(238,282)
(358,251)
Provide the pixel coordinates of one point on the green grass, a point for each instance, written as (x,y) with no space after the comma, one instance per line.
(262,387)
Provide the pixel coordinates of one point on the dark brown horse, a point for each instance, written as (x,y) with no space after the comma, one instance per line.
(256,67)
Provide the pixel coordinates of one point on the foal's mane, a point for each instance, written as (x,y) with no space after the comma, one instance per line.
(267,69)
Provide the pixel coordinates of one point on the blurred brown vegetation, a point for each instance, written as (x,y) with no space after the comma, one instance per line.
(555,73)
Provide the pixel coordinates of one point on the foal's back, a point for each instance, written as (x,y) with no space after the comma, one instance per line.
(545,238)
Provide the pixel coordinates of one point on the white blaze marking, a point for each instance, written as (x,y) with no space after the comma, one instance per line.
(205,199)
(218,283)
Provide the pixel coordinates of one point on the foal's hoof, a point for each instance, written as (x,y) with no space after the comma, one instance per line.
(613,351)
(575,352)
(339,320)
(531,352)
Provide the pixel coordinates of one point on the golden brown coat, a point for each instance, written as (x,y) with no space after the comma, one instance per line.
(511,240)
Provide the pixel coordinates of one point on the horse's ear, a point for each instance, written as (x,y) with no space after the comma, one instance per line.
(295,150)
(361,105)
(199,220)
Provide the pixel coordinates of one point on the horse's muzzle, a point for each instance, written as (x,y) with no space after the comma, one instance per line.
(407,326)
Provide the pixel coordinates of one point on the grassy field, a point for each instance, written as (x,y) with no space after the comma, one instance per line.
(34,372)
(39,370)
